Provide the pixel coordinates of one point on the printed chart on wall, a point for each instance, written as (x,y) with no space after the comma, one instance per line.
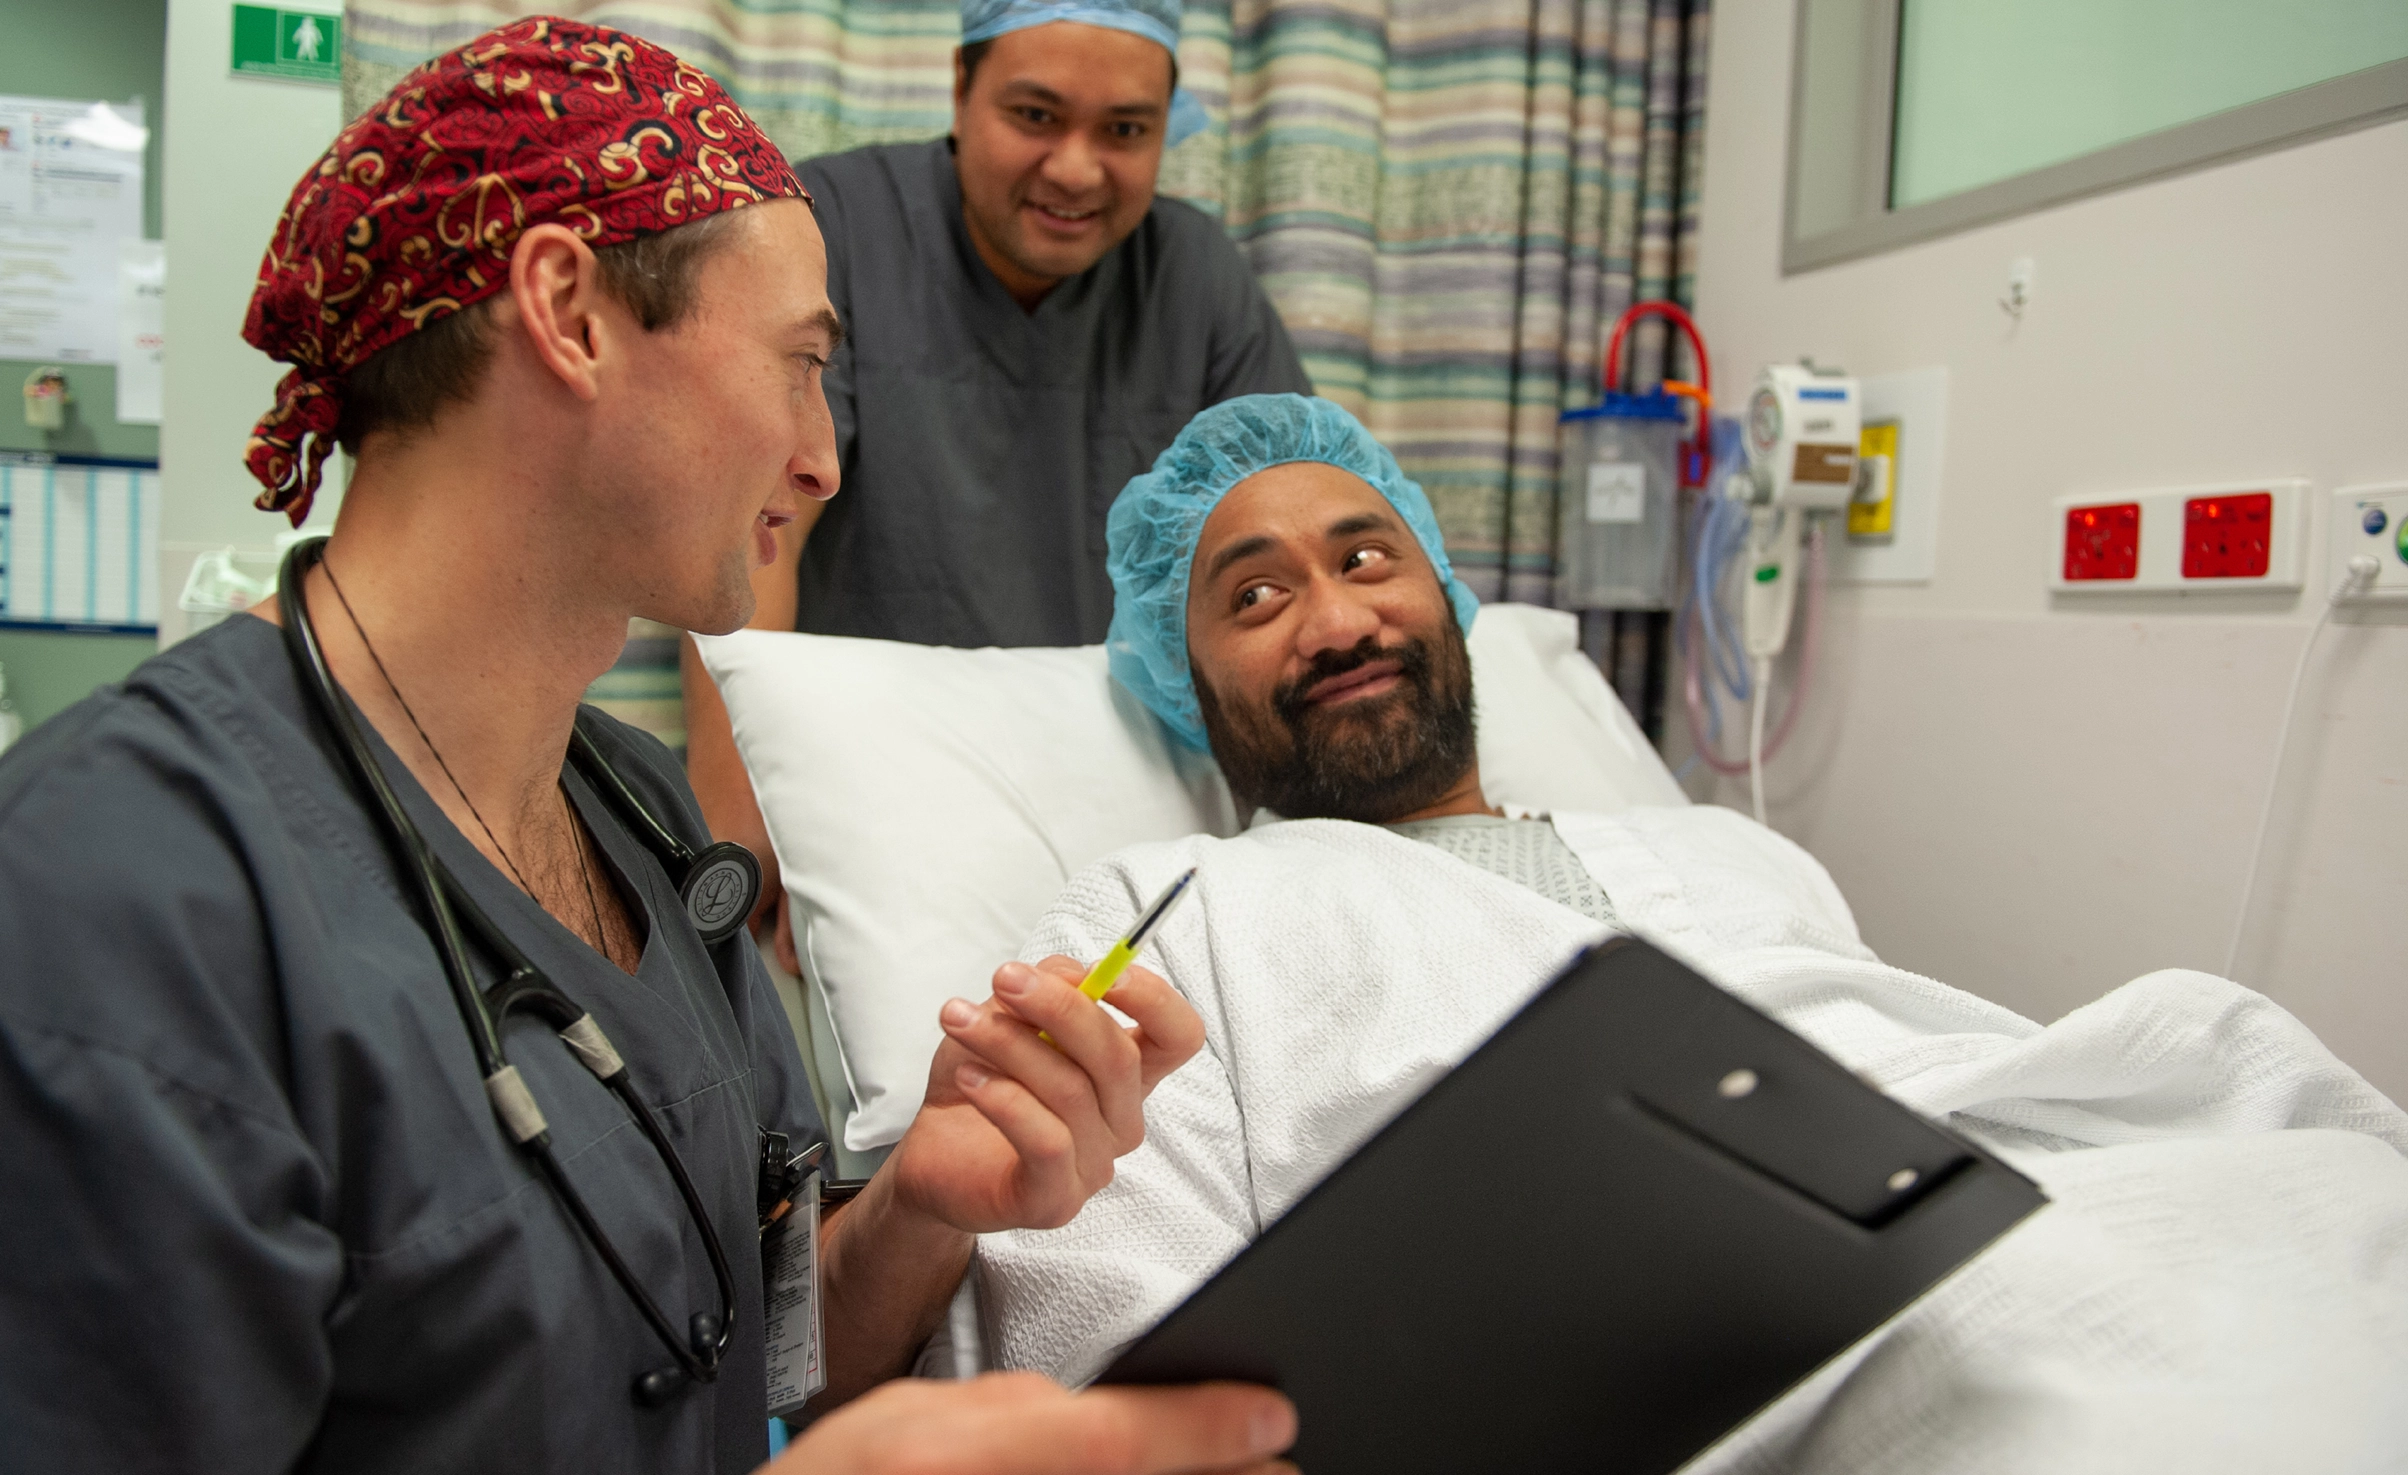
(79,542)
(70,192)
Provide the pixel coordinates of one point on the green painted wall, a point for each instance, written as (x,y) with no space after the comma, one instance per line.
(51,670)
(114,50)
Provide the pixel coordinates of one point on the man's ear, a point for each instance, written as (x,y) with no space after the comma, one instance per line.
(556,288)
(961,88)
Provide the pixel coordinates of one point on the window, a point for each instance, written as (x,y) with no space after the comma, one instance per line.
(1914,118)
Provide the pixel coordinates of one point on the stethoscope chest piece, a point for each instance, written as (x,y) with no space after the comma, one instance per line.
(719,890)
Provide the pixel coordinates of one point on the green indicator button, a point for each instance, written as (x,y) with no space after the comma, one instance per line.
(297,45)
(1768,573)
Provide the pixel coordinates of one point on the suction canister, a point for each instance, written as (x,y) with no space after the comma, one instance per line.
(1619,543)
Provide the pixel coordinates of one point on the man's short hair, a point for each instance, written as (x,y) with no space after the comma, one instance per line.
(405,386)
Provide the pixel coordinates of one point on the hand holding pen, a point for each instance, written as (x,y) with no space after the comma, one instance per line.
(1034,1094)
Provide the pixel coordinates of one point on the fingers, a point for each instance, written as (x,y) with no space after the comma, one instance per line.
(1159,1431)
(1169,1030)
(1088,1073)
(1049,1191)
(1022,1424)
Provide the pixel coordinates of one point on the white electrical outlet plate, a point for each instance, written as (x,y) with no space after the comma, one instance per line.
(2162,513)
(2373,519)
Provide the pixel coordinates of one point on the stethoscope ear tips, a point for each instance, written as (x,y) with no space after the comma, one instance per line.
(657,1387)
(702,1334)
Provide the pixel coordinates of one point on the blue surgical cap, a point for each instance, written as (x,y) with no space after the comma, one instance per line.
(1156,20)
(1159,518)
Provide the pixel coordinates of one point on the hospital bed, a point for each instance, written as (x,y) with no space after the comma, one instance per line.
(927,804)
(2220,1284)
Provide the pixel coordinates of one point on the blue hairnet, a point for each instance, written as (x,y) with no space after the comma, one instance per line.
(1156,20)
(1159,518)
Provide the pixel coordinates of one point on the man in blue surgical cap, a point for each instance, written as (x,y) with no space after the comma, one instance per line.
(1286,602)
(1028,327)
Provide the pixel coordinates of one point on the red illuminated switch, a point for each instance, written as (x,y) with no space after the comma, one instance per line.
(2228,537)
(2102,542)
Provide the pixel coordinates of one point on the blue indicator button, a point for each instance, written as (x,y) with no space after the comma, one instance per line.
(2375,521)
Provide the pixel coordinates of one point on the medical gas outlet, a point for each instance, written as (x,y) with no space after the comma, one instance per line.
(2372,521)
(2247,535)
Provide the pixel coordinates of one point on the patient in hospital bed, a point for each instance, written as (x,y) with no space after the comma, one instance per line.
(2221,1281)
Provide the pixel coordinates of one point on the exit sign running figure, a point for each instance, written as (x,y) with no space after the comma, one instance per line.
(297,45)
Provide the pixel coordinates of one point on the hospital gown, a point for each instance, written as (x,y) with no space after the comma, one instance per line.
(2221,1282)
(258,1214)
(1524,851)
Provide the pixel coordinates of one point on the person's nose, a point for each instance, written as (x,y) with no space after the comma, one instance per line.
(814,470)
(1336,617)
(1074,167)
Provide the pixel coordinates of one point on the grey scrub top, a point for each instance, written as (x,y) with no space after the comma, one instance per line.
(255,1214)
(982,444)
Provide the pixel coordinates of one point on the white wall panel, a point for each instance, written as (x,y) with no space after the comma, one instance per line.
(2038,797)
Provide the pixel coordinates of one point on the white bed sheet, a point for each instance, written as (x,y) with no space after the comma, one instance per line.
(2220,1284)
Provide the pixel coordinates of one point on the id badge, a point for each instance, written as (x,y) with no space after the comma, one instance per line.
(790,1286)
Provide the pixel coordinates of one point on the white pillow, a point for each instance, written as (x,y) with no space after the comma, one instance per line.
(927,804)
(1552,734)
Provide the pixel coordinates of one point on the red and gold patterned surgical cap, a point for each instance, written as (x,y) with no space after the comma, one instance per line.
(414,211)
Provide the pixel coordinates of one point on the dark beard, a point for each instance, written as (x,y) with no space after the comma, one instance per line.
(1373,760)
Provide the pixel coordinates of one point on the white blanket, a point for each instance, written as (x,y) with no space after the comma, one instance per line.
(2220,1283)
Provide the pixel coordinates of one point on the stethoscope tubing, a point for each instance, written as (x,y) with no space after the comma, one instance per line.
(523,987)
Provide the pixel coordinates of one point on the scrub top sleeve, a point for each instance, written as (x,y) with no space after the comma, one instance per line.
(165,1268)
(165,1307)
(837,382)
(1251,350)
(827,209)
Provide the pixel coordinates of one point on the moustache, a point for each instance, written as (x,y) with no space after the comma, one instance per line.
(1293,700)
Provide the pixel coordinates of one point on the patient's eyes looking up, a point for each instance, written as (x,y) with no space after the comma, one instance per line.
(1369,561)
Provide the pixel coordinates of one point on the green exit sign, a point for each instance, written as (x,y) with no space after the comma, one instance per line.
(300,45)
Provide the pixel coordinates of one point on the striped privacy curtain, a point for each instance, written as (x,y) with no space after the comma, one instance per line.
(1448,200)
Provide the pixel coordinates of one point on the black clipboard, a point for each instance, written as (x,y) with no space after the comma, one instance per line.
(1684,1210)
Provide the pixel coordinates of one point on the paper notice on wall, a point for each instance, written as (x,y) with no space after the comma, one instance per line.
(79,542)
(141,330)
(70,191)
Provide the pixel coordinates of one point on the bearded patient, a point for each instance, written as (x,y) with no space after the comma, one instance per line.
(1284,598)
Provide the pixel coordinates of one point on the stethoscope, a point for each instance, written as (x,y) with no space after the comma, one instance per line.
(718,887)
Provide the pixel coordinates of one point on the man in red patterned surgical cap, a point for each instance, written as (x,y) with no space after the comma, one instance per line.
(295,1185)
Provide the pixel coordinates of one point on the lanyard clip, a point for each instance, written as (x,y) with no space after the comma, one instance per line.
(781,1175)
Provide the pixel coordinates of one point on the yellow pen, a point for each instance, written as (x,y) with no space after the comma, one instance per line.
(1112,965)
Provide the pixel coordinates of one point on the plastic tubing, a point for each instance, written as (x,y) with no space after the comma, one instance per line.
(1755,734)
(1694,696)
(1722,536)
(1675,314)
(1718,535)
